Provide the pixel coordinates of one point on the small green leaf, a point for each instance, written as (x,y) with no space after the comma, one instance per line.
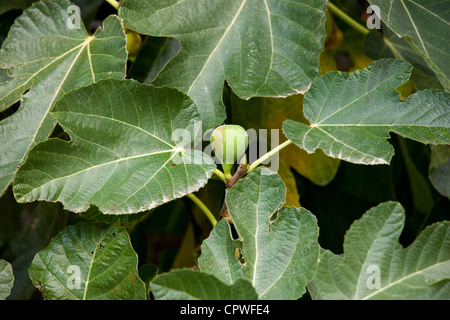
(86,261)
(6,279)
(376,266)
(351,115)
(124,156)
(277,249)
(260,47)
(185,284)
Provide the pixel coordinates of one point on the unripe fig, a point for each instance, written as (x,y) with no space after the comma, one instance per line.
(134,42)
(229,143)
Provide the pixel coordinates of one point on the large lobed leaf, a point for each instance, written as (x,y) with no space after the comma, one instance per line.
(375,266)
(351,115)
(277,249)
(426,25)
(86,261)
(123,157)
(260,47)
(45,56)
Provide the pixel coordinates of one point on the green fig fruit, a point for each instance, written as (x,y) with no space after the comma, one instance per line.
(134,42)
(229,143)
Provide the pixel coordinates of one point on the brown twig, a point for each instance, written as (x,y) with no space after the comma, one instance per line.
(240,172)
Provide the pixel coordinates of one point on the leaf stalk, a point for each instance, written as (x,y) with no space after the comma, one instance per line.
(114,3)
(268,155)
(220,174)
(349,20)
(204,208)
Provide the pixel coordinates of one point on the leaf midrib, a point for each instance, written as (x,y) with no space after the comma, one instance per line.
(257,234)
(430,12)
(90,267)
(381,229)
(378,160)
(227,30)
(84,44)
(403,279)
(286,265)
(122,123)
(93,167)
(366,93)
(415,28)
(45,67)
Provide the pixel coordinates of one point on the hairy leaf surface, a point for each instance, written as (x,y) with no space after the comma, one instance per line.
(124,156)
(46,57)
(277,249)
(376,266)
(351,115)
(194,285)
(387,44)
(260,47)
(86,261)
(426,25)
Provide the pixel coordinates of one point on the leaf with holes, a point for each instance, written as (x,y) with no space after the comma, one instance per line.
(376,266)
(351,115)
(47,57)
(260,47)
(277,249)
(124,156)
(86,261)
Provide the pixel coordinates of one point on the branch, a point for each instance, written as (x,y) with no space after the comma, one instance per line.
(240,172)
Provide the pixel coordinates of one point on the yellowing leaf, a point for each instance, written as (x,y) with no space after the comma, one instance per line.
(292,196)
